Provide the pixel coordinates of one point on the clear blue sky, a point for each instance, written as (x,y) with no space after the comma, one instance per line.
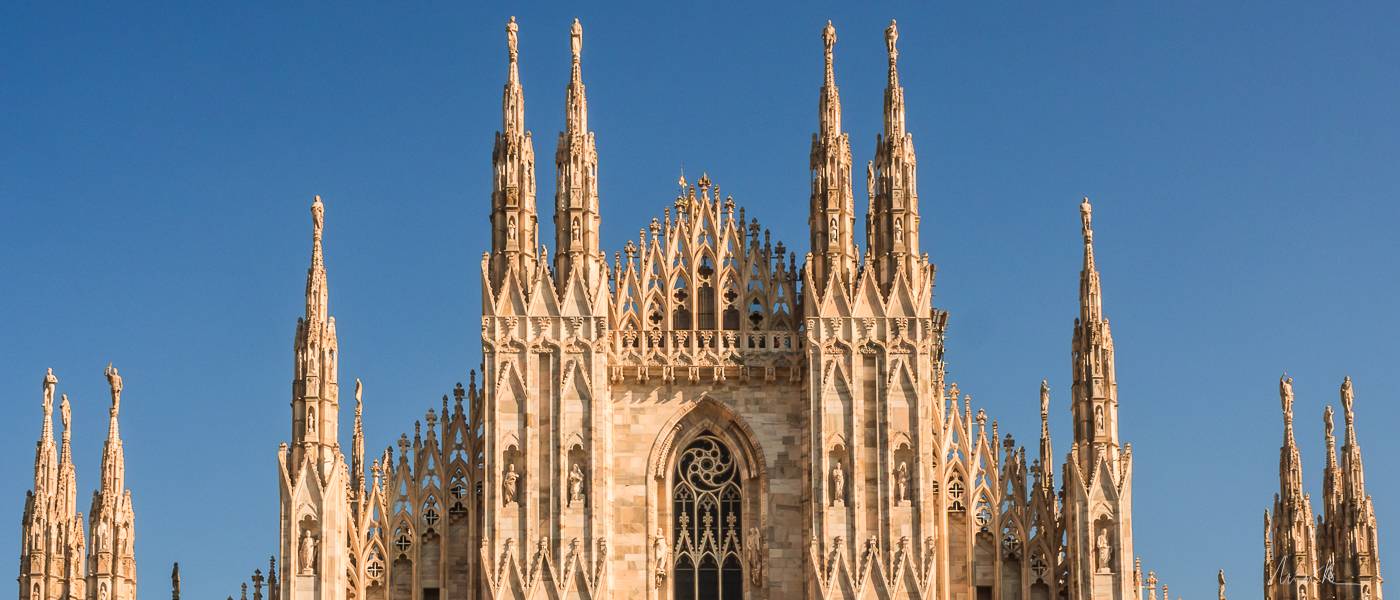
(158,160)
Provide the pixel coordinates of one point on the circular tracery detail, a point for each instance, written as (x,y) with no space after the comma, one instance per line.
(707,522)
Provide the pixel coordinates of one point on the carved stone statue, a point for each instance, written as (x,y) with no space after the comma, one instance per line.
(1086,217)
(121,538)
(512,43)
(510,484)
(1104,552)
(311,419)
(658,548)
(359,394)
(755,552)
(899,230)
(65,410)
(828,39)
(1327,423)
(575,481)
(115,381)
(1285,396)
(576,38)
(50,382)
(870,179)
(1098,419)
(1220,578)
(99,539)
(901,483)
(892,36)
(1348,396)
(308,553)
(1044,399)
(838,485)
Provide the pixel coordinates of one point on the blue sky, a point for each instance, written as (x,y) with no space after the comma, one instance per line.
(158,160)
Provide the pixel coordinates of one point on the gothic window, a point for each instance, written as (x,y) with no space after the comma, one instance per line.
(375,567)
(1039,568)
(706,504)
(955,495)
(403,543)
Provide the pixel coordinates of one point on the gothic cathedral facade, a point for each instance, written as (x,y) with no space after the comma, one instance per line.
(707,415)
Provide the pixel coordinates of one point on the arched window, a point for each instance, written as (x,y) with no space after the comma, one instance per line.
(707,523)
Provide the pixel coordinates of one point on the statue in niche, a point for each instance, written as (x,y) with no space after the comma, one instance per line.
(901,483)
(573,230)
(308,553)
(1104,551)
(658,548)
(311,419)
(899,230)
(36,541)
(121,538)
(575,484)
(1098,419)
(510,485)
(510,228)
(50,382)
(102,592)
(838,485)
(755,552)
(115,381)
(99,539)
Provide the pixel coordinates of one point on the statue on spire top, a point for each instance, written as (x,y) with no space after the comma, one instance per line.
(829,40)
(1347,397)
(318,214)
(359,389)
(1285,394)
(1086,216)
(511,40)
(576,39)
(114,380)
(1044,399)
(892,36)
(50,382)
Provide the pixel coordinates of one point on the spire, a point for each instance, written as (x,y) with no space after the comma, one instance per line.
(1095,378)
(357,449)
(45,456)
(315,391)
(1047,453)
(514,222)
(1290,461)
(894,212)
(1352,473)
(894,93)
(1090,294)
(112,521)
(832,210)
(576,218)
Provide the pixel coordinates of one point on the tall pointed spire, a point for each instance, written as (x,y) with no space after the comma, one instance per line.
(894,242)
(357,447)
(1095,377)
(42,544)
(313,478)
(832,210)
(1351,520)
(514,221)
(315,388)
(1291,542)
(576,219)
(111,557)
(1047,452)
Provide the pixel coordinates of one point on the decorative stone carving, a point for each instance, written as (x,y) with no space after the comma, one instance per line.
(50,382)
(901,483)
(510,485)
(114,380)
(307,554)
(1104,551)
(659,550)
(756,554)
(576,493)
(838,485)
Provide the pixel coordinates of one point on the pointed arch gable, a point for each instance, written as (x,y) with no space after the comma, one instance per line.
(707,413)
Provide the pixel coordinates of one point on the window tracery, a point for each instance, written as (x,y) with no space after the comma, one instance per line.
(707,517)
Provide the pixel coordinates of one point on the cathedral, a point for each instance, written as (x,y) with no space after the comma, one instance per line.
(704,415)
